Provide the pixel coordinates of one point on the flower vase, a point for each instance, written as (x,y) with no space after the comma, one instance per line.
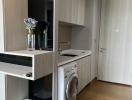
(30,40)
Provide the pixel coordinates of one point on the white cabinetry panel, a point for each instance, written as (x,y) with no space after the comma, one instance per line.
(2,87)
(12,29)
(79,76)
(65,10)
(12,88)
(1,27)
(84,66)
(17,88)
(81,12)
(72,11)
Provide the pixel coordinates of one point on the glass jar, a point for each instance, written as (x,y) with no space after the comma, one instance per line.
(30,40)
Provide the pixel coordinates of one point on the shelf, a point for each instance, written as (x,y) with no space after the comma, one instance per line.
(15,70)
(27,53)
(41,63)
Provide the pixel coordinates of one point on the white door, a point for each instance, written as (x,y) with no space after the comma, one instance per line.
(115,52)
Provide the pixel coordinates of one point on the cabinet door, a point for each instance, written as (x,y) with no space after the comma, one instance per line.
(2,87)
(65,7)
(78,12)
(85,71)
(81,12)
(88,69)
(84,66)
(72,11)
(79,76)
(61,10)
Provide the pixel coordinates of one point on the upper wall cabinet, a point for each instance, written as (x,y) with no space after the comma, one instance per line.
(72,11)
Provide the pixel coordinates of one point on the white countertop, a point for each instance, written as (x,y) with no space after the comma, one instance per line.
(62,60)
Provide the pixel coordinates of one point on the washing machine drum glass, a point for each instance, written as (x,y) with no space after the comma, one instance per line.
(71,89)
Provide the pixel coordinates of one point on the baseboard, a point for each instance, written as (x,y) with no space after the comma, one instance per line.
(116,83)
(93,81)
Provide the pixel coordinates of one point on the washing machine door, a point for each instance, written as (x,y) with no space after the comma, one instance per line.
(71,88)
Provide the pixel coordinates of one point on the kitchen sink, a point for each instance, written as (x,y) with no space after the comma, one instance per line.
(69,55)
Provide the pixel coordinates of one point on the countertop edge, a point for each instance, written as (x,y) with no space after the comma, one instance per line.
(74,59)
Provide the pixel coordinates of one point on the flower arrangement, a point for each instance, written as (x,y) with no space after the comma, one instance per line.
(30,24)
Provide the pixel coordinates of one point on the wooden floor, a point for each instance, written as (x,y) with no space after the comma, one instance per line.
(105,91)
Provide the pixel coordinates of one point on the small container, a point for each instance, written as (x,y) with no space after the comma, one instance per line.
(31,41)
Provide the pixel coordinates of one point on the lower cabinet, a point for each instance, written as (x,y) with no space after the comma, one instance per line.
(84,66)
(12,88)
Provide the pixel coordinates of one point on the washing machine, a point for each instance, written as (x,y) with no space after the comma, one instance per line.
(67,82)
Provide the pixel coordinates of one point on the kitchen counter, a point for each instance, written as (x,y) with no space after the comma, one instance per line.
(62,60)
